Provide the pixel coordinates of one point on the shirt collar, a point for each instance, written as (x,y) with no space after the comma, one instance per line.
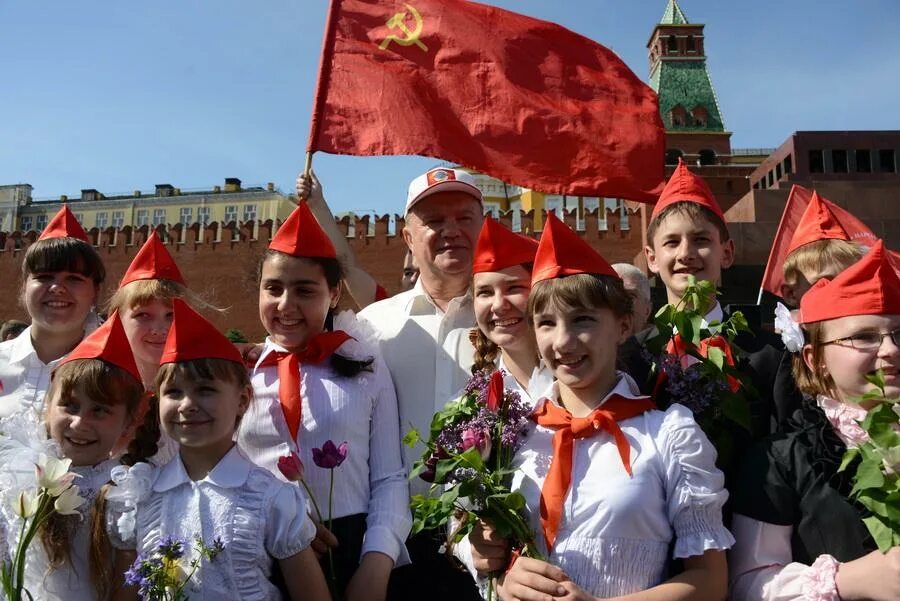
(269,347)
(420,302)
(22,347)
(231,472)
(625,386)
(715,314)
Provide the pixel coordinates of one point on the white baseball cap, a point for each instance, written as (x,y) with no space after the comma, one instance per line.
(441,179)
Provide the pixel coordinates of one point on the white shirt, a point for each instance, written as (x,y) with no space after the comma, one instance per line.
(72,581)
(24,379)
(259,518)
(427,365)
(361,411)
(615,533)
(540,384)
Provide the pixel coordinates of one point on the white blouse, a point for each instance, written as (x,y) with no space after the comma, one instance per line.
(616,531)
(362,411)
(259,519)
(24,379)
(539,384)
(71,582)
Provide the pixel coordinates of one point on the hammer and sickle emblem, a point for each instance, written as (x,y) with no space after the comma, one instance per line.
(411,36)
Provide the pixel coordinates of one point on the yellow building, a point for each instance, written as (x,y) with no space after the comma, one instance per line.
(166,204)
(500,196)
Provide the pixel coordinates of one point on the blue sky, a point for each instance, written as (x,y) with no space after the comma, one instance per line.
(122,95)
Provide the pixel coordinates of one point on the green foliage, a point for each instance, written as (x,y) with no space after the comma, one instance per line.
(235,335)
(709,384)
(876,482)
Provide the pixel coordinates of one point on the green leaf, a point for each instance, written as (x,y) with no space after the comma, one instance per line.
(882,533)
(412,437)
(716,356)
(849,456)
(868,475)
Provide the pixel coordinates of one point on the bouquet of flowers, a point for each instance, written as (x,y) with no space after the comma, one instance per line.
(468,458)
(160,575)
(876,483)
(693,363)
(35,484)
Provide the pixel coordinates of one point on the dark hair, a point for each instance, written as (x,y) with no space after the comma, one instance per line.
(581,291)
(107,384)
(692,211)
(334,277)
(64,254)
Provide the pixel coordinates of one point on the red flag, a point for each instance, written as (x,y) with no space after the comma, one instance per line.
(797,201)
(526,101)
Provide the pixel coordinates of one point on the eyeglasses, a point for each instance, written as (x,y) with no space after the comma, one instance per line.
(867,341)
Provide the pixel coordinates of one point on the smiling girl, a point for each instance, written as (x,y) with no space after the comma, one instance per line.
(90,412)
(211,489)
(62,275)
(314,383)
(613,487)
(799,536)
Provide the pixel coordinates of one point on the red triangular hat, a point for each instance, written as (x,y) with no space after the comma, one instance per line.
(816,223)
(64,225)
(686,186)
(498,248)
(563,252)
(153,262)
(192,337)
(301,236)
(109,343)
(870,286)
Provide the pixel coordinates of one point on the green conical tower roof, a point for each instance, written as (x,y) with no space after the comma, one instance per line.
(679,74)
(673,15)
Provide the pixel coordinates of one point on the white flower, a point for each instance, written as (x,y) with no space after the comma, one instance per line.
(27,504)
(68,502)
(53,474)
(791,333)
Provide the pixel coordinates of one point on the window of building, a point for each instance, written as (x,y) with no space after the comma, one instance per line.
(691,44)
(788,164)
(142,218)
(492,209)
(102,219)
(118,219)
(700,116)
(778,171)
(707,157)
(159,216)
(678,116)
(186,215)
(516,207)
(672,44)
(672,156)
(40,223)
(816,161)
(555,204)
(863,161)
(203,215)
(230,213)
(26,223)
(624,222)
(839,160)
(79,217)
(770,179)
(887,161)
(249,212)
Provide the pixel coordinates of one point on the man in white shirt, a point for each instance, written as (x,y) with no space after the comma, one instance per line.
(443,219)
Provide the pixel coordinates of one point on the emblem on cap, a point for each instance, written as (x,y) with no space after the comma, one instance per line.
(439,175)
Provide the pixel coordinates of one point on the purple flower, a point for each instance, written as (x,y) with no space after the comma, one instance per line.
(171,548)
(330,456)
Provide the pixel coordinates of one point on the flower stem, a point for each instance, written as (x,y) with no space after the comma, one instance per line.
(313,499)
(333,577)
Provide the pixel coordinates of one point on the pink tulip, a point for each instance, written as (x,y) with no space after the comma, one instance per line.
(481,439)
(291,467)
